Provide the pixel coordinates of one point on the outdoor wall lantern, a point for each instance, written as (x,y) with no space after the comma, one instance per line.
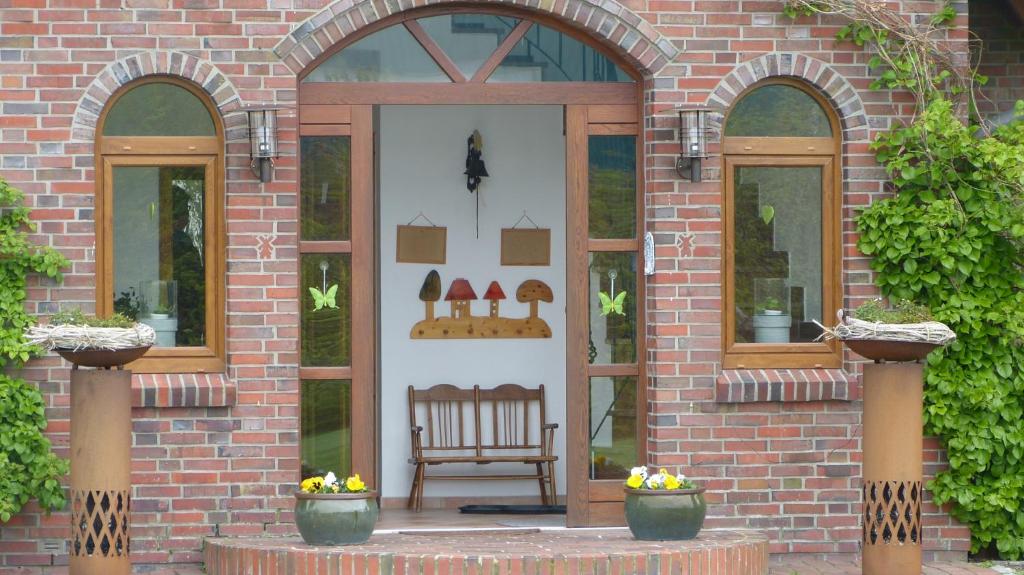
(693,139)
(262,141)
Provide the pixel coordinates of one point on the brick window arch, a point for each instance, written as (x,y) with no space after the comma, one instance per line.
(781,224)
(159,215)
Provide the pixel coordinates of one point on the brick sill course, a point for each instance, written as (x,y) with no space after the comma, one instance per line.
(783,385)
(183,390)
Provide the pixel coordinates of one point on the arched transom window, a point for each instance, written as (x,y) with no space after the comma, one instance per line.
(468,47)
(782,228)
(158,212)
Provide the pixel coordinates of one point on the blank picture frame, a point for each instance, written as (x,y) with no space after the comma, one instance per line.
(525,247)
(421,245)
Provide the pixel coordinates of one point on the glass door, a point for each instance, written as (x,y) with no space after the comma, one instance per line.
(336,271)
(606,379)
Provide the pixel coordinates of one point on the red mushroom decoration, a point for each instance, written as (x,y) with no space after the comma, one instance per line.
(494,295)
(460,294)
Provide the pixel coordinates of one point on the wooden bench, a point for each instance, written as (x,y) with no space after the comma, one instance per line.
(456,431)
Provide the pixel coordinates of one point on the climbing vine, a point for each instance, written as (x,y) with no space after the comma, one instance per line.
(28,468)
(952,238)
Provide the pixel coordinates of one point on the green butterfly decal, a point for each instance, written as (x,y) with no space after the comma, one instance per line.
(322,300)
(609,305)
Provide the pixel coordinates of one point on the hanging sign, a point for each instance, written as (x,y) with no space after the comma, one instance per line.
(525,246)
(421,244)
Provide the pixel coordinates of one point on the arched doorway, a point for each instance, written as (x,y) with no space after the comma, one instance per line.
(463,61)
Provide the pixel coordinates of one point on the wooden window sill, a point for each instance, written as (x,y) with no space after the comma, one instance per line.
(781,385)
(183,390)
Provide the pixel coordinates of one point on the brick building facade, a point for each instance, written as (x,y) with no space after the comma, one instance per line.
(217,453)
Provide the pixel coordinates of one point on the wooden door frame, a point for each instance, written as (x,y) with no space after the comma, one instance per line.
(597,108)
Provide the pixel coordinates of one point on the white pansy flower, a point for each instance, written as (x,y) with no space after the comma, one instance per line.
(681,478)
(654,481)
(641,471)
(330,479)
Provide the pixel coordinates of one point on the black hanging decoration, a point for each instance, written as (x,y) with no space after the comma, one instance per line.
(475,170)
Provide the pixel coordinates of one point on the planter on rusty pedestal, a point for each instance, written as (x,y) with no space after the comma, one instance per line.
(662,515)
(336,518)
(101,442)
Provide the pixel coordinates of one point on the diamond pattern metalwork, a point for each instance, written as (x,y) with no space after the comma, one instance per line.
(99,523)
(892,512)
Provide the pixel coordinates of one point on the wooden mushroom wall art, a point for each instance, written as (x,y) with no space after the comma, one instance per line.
(462,324)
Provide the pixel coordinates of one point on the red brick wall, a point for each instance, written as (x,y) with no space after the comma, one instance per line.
(788,467)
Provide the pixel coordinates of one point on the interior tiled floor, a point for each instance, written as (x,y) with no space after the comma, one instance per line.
(406,520)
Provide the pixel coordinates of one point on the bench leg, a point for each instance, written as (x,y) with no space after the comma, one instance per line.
(551,478)
(543,489)
(412,491)
(420,481)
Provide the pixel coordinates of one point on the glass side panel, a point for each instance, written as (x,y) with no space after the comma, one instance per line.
(613,444)
(159,109)
(326,184)
(612,186)
(778,259)
(159,250)
(468,39)
(612,307)
(326,427)
(390,55)
(547,55)
(778,110)
(326,284)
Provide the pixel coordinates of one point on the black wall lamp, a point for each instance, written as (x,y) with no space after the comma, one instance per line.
(262,141)
(694,130)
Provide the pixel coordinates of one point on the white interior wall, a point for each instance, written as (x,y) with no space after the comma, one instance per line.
(422,154)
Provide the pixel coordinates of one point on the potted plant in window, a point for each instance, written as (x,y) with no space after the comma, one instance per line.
(90,341)
(333,512)
(771,311)
(663,507)
(904,332)
(158,310)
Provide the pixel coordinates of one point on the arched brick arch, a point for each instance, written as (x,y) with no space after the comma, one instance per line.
(620,29)
(831,84)
(125,70)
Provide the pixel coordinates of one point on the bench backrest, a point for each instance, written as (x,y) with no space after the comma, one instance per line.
(457,419)
(450,417)
(509,408)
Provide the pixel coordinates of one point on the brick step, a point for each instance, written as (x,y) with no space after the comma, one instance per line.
(549,551)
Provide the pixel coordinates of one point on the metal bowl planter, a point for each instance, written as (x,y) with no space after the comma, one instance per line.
(880,350)
(102,358)
(336,518)
(665,515)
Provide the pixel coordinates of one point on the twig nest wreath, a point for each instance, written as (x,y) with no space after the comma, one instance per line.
(906,332)
(93,342)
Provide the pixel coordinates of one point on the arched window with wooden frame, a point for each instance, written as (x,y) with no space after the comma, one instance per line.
(159,214)
(782,252)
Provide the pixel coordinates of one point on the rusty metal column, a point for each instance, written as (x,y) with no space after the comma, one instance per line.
(101,441)
(893,405)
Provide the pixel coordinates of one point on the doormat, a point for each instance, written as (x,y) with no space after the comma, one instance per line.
(514,509)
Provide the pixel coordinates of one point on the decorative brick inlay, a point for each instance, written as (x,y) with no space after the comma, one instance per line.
(125,70)
(182,390)
(622,30)
(783,385)
(550,551)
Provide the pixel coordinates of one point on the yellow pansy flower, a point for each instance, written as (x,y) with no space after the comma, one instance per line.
(354,483)
(312,484)
(635,481)
(671,482)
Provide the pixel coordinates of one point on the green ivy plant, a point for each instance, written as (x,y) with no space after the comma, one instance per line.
(28,467)
(952,239)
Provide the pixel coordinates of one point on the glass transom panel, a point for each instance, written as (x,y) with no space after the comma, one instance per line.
(778,110)
(159,109)
(468,39)
(547,55)
(390,55)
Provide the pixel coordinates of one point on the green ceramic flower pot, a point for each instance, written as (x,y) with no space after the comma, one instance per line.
(336,518)
(665,515)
